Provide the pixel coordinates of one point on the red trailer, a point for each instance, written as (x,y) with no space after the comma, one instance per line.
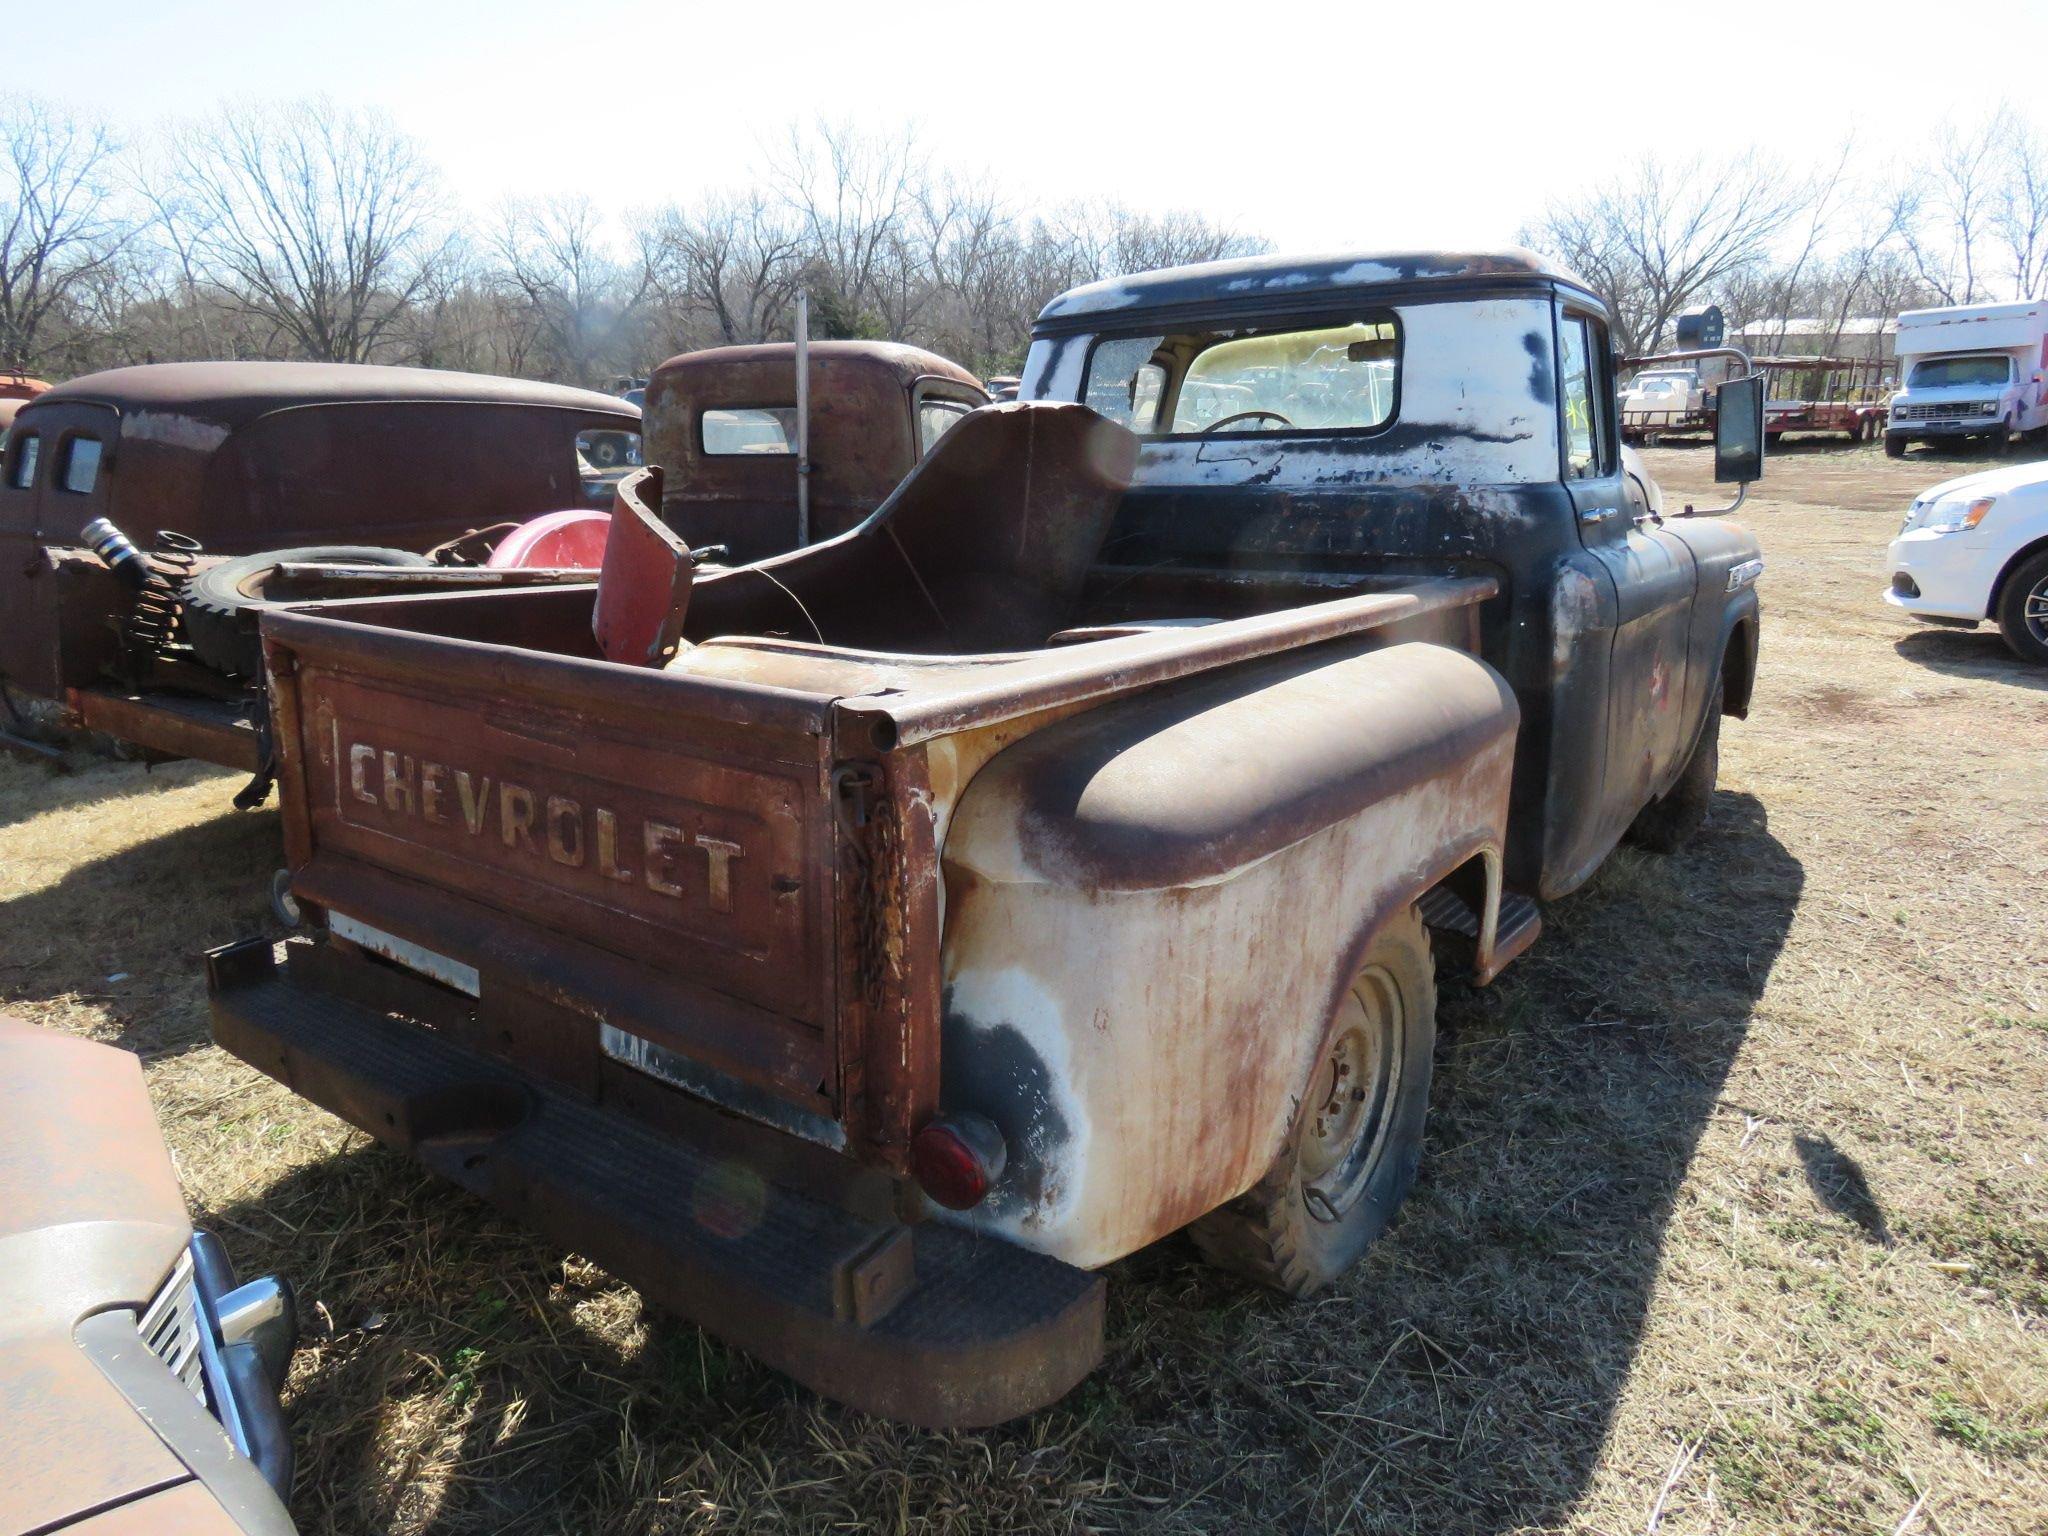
(1824,394)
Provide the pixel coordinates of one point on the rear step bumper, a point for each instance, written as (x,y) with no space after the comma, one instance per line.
(928,1324)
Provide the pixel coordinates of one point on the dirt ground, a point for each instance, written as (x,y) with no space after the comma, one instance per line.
(1732,1216)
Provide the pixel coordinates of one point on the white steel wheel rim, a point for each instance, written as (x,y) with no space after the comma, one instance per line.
(1350,1108)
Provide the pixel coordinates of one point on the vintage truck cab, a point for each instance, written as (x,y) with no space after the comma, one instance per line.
(924,919)
(1403,416)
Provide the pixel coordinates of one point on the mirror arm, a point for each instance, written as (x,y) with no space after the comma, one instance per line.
(1741,495)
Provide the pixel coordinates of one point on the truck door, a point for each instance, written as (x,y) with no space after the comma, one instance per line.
(56,467)
(1653,576)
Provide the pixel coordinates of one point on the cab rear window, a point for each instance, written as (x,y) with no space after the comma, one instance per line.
(27,451)
(1340,376)
(749,430)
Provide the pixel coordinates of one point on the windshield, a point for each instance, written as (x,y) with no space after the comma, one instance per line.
(1328,378)
(1939,372)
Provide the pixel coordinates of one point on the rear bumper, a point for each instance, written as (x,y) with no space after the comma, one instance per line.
(925,1323)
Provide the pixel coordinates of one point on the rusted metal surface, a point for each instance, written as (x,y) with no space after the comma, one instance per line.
(863,437)
(175,724)
(243,457)
(1089,868)
(91,1219)
(930,1326)
(643,592)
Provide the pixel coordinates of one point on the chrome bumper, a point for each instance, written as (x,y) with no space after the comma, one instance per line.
(246,1348)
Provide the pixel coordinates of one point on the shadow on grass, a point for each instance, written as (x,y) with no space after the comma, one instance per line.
(1980,653)
(1838,1182)
(1462,1379)
(142,914)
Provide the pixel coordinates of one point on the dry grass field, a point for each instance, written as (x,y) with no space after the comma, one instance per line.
(1733,1215)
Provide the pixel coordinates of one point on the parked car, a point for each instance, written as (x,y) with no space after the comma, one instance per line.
(1976,548)
(1054,860)
(722,424)
(1971,371)
(144,513)
(138,1382)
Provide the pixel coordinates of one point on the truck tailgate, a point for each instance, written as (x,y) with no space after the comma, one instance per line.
(651,853)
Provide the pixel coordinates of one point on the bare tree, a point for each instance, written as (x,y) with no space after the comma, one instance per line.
(2019,213)
(851,194)
(59,228)
(1658,238)
(571,290)
(733,259)
(314,220)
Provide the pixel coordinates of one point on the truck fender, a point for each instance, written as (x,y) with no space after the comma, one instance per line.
(1738,651)
(1152,907)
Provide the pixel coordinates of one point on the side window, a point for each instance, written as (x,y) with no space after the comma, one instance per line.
(934,417)
(1575,388)
(81,465)
(1124,383)
(768,429)
(607,448)
(25,458)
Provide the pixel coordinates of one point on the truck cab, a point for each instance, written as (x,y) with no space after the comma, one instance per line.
(1402,415)
(1970,371)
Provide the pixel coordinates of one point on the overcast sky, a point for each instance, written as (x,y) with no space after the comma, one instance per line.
(1319,127)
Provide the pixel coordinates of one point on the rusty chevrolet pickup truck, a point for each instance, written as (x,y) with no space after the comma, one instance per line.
(1057,860)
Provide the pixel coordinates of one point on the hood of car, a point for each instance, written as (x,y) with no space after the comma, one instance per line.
(2004,481)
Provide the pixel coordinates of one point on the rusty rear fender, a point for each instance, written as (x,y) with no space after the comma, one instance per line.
(1152,907)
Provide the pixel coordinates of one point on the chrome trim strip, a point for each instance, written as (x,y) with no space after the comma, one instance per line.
(414,957)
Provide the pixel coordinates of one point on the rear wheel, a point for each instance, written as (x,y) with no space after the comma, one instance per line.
(2023,610)
(1668,822)
(1357,1139)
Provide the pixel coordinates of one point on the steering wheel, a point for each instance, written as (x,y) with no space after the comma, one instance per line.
(1222,422)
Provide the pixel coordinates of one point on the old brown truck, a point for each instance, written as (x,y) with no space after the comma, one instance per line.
(723,424)
(1057,860)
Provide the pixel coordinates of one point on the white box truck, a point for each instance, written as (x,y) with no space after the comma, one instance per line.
(1970,371)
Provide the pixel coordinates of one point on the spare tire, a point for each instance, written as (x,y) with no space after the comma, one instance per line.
(223,601)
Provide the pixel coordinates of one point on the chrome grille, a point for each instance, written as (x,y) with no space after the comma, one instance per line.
(170,1327)
(1957,411)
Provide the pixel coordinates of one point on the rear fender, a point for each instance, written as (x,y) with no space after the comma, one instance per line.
(1152,909)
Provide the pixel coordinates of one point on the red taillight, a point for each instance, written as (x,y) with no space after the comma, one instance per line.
(956,1158)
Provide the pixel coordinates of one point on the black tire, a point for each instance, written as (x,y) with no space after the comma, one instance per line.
(221,602)
(284,906)
(2023,610)
(1894,446)
(1351,1158)
(1668,822)
(2010,439)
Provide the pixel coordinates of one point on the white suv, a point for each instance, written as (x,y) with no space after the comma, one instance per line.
(1976,548)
